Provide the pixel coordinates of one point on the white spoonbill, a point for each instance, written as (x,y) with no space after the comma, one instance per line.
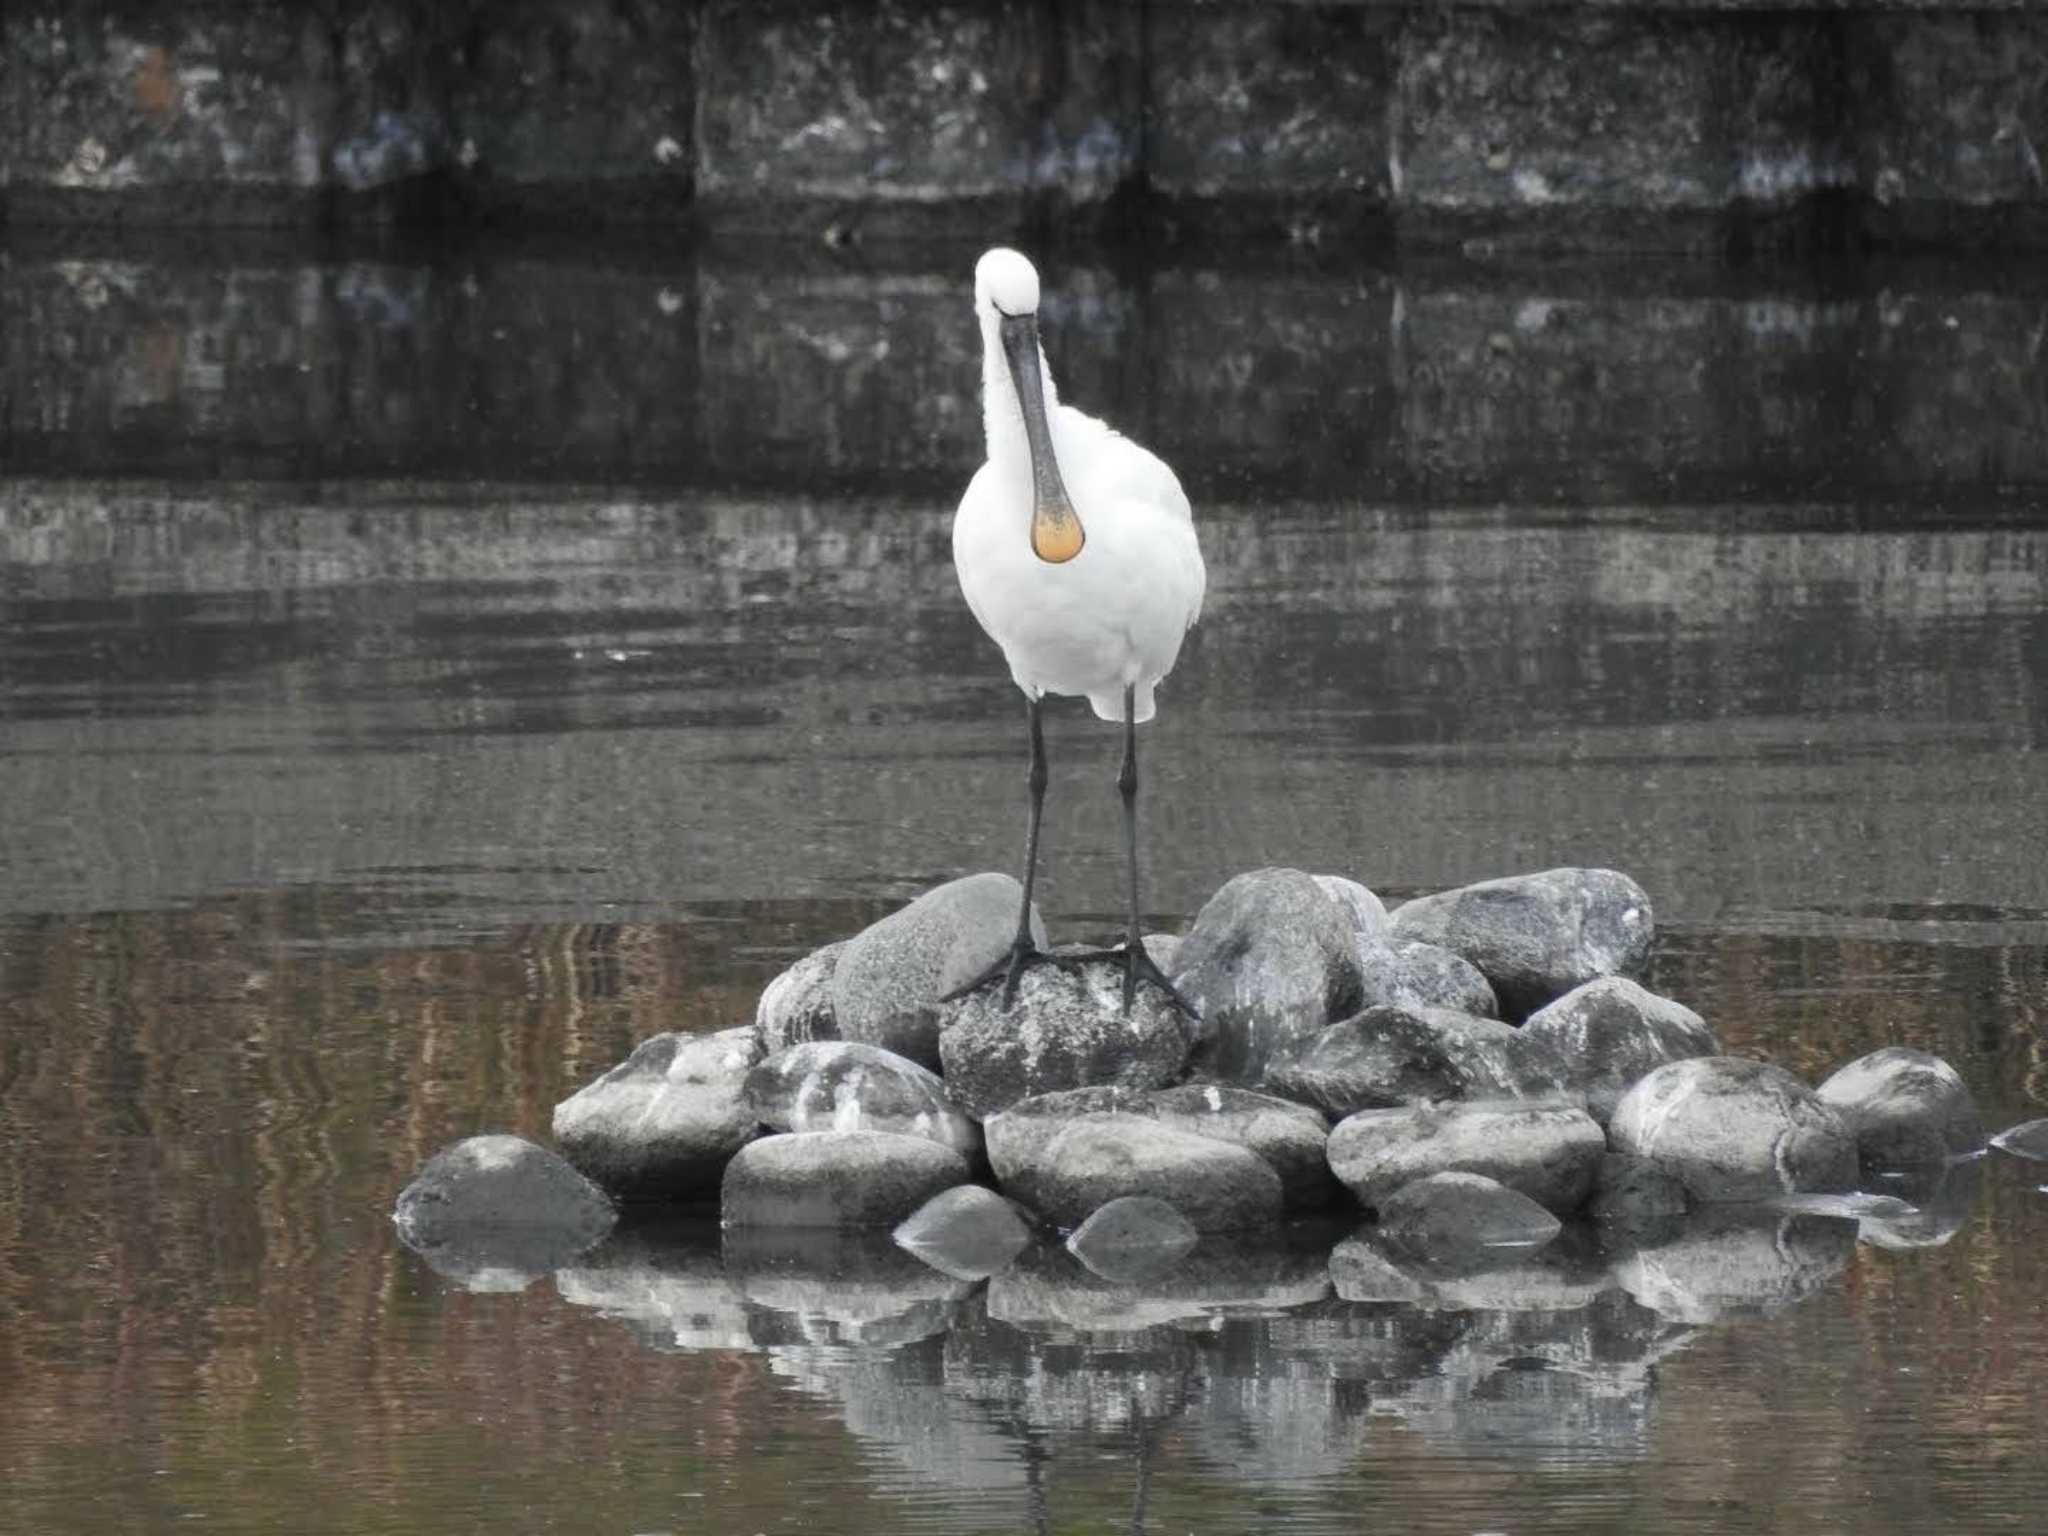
(1076,550)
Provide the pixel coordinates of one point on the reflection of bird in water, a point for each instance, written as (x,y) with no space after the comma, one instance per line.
(1076,550)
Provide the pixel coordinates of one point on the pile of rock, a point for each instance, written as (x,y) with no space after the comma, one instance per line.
(1474,1068)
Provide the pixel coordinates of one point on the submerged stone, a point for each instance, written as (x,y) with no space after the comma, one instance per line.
(1270,961)
(1448,1218)
(969,1232)
(1537,936)
(891,976)
(1905,1107)
(1132,1238)
(494,1212)
(662,1124)
(2028,1139)
(1736,1262)
(842,1085)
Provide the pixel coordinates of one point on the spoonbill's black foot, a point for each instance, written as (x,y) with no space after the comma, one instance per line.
(1138,966)
(1008,968)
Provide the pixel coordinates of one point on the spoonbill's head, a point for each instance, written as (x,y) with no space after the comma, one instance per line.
(1006,283)
(1006,299)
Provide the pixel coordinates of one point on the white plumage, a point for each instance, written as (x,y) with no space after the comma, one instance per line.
(1076,551)
(1115,613)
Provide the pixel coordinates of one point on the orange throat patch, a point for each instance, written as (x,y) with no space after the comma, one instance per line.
(1056,534)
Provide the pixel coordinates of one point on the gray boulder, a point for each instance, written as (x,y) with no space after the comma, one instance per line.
(1547,1152)
(1132,1239)
(662,1124)
(1537,936)
(1360,1271)
(835,1179)
(1734,1130)
(1367,912)
(1066,1029)
(797,1005)
(1905,1108)
(1390,1055)
(1291,1137)
(1448,1218)
(1611,1031)
(1099,1157)
(1288,1136)
(1270,961)
(842,1085)
(1410,974)
(969,1232)
(2028,1139)
(1635,1195)
(495,1212)
(890,977)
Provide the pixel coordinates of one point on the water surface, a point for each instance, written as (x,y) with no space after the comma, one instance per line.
(344,817)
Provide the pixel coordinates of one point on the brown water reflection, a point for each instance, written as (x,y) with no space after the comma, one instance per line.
(209,1110)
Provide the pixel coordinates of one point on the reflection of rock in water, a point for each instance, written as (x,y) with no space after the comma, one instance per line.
(822,1286)
(1942,1195)
(667,1282)
(1569,1386)
(897,1402)
(1737,1262)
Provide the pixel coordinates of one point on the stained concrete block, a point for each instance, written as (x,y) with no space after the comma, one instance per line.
(892,103)
(579,107)
(202,114)
(1266,101)
(1569,117)
(1951,122)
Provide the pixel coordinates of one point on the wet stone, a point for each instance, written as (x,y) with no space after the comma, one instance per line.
(1391,1055)
(1735,1130)
(1939,1199)
(1612,1031)
(891,976)
(969,1232)
(662,1123)
(1270,961)
(1099,1157)
(1537,936)
(2028,1139)
(835,1179)
(796,1006)
(1905,1107)
(1132,1238)
(494,1212)
(1634,1194)
(842,1085)
(1411,974)
(1291,1137)
(1548,1153)
(1450,1218)
(1065,1029)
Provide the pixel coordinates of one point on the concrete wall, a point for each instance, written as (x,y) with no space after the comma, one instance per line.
(1661,123)
(1429,379)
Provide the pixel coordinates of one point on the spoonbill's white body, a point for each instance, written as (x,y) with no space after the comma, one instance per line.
(1076,551)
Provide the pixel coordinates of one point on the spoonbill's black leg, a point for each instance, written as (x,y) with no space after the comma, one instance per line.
(1137,962)
(1022,951)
